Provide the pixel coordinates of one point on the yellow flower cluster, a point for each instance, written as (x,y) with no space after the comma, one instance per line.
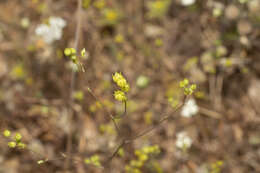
(121,82)
(120,96)
(94,160)
(72,54)
(110,16)
(17,140)
(216,167)
(158,8)
(188,89)
(119,79)
(143,155)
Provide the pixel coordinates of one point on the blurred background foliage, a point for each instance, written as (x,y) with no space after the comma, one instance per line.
(155,44)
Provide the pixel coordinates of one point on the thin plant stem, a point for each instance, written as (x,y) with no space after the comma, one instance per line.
(106,110)
(146,131)
(72,86)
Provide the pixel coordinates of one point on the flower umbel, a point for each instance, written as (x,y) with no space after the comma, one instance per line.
(188,89)
(94,160)
(121,82)
(120,96)
(15,140)
(119,79)
(143,155)
(72,54)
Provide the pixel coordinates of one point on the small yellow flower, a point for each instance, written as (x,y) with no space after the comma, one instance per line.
(12,144)
(157,9)
(119,79)
(21,145)
(119,38)
(99,4)
(83,52)
(184,83)
(94,160)
(7,133)
(18,137)
(120,96)
(67,51)
(117,76)
(18,72)
(110,16)
(193,87)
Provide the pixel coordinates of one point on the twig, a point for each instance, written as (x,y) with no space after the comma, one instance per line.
(123,114)
(72,86)
(116,151)
(145,132)
(159,123)
(219,87)
(212,89)
(209,113)
(106,110)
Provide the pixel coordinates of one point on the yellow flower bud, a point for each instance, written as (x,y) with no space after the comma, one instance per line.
(7,133)
(120,96)
(12,144)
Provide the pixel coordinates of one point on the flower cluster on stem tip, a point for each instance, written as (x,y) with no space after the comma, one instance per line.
(72,54)
(15,141)
(94,160)
(143,155)
(216,167)
(187,87)
(120,96)
(121,82)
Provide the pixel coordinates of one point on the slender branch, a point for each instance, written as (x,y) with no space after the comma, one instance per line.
(72,85)
(146,131)
(124,113)
(116,151)
(106,110)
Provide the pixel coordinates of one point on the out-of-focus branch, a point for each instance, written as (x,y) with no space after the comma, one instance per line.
(146,131)
(72,86)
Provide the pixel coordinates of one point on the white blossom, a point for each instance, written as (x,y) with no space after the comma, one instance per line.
(57,22)
(52,31)
(187,2)
(190,108)
(183,140)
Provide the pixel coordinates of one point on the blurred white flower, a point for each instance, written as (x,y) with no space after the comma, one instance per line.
(52,31)
(190,108)
(187,2)
(183,141)
(57,22)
